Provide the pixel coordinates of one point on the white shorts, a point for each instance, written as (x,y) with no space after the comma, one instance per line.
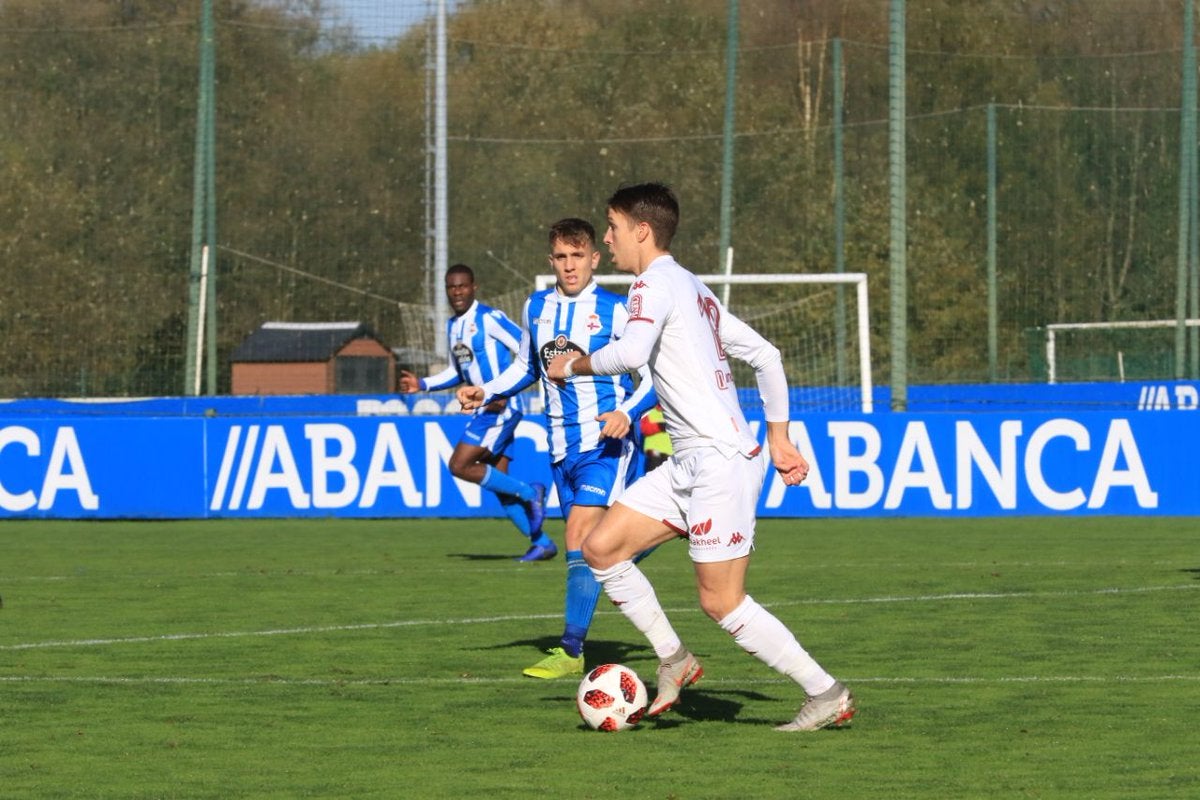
(706,497)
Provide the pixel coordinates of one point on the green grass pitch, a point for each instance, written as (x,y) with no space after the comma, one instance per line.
(1005,658)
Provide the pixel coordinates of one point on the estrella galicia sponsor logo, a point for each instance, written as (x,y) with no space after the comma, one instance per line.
(558,346)
(463,355)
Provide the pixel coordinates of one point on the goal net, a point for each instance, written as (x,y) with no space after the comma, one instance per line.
(1112,351)
(818,322)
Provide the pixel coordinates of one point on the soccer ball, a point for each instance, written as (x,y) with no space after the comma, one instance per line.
(611,698)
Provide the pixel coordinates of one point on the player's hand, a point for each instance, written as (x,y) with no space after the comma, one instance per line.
(556,370)
(469,397)
(409,382)
(615,424)
(790,465)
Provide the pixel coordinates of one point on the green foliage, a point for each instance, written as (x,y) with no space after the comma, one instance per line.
(322,153)
(334,658)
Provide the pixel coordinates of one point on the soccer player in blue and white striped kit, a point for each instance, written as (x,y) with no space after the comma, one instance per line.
(593,445)
(482,343)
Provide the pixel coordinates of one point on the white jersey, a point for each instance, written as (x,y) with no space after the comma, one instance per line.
(678,327)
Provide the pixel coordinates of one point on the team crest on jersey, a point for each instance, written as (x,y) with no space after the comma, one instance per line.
(593,323)
(462,355)
(556,347)
(635,306)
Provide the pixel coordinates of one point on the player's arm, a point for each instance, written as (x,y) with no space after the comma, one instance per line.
(792,466)
(630,352)
(443,380)
(619,422)
(743,342)
(499,327)
(642,399)
(520,374)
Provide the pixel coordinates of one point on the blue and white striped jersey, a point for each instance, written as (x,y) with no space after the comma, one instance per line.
(554,323)
(483,343)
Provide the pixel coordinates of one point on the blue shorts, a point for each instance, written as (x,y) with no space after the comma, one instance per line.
(492,431)
(597,477)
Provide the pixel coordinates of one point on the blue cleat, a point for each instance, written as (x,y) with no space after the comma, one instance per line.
(539,553)
(537,510)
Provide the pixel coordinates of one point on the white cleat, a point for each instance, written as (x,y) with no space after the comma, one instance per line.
(672,677)
(832,708)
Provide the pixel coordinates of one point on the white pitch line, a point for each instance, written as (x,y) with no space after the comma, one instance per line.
(508,570)
(176,637)
(488,681)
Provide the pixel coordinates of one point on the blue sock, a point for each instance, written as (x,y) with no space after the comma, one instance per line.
(501,483)
(583,590)
(515,510)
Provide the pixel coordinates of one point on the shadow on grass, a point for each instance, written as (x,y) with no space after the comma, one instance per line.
(636,655)
(1194,570)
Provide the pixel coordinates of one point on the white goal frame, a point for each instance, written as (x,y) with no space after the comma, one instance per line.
(856,279)
(1053,328)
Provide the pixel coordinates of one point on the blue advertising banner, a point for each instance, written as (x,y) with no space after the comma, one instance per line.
(360,461)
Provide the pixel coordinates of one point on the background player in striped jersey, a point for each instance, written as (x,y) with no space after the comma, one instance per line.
(709,488)
(482,343)
(593,447)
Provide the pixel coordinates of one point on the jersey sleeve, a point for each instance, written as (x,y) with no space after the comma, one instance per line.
(649,305)
(524,369)
(743,342)
(643,397)
(503,330)
(442,380)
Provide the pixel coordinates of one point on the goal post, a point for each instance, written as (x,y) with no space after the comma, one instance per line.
(1108,348)
(797,313)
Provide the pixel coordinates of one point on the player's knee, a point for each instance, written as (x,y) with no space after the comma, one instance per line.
(460,465)
(597,555)
(718,605)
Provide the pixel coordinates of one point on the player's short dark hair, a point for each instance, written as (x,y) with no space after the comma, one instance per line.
(652,203)
(573,230)
(463,268)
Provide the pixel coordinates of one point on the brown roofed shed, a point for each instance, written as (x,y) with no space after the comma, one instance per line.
(313,358)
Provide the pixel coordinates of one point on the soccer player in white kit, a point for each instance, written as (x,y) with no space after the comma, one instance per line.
(708,490)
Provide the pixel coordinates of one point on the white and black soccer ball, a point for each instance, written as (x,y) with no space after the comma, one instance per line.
(611,698)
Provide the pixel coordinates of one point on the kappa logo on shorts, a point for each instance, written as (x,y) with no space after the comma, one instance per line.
(736,539)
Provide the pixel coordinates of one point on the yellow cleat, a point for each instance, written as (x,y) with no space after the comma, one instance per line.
(557,664)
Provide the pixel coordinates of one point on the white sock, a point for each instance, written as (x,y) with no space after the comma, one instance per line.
(762,635)
(631,592)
